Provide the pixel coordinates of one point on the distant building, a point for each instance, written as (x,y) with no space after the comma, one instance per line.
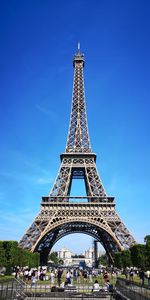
(70,259)
(65,254)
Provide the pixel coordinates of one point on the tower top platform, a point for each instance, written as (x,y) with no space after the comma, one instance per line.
(79,57)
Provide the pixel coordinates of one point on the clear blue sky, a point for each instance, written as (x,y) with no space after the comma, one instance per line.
(37,42)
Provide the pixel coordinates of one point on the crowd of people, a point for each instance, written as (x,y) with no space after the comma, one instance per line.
(143,276)
(31,275)
(64,277)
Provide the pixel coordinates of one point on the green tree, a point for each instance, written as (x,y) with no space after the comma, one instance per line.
(13,253)
(53,256)
(126,258)
(22,262)
(34,259)
(103,260)
(139,256)
(2,255)
(27,258)
(147,241)
(118,260)
(10,248)
(6,245)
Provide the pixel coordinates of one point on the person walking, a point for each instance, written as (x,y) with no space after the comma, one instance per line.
(68,277)
(33,280)
(59,274)
(148,277)
(75,274)
(52,277)
(105,276)
(131,275)
(142,277)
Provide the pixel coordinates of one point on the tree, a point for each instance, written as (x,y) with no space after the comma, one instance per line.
(27,258)
(123,259)
(147,240)
(126,258)
(54,257)
(13,253)
(118,260)
(2,255)
(103,260)
(139,256)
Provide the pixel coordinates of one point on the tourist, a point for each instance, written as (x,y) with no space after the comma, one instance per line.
(131,275)
(26,274)
(108,286)
(38,273)
(59,274)
(17,273)
(105,276)
(71,277)
(52,277)
(68,278)
(44,274)
(85,275)
(78,276)
(148,277)
(142,276)
(33,280)
(90,275)
(96,286)
(41,277)
(75,274)
(29,274)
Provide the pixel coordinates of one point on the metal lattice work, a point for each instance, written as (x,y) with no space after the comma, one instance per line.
(61,214)
(59,219)
(81,166)
(78,137)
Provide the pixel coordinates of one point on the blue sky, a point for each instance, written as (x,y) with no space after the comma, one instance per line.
(37,42)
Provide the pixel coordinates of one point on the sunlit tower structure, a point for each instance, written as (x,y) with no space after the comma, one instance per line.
(93,214)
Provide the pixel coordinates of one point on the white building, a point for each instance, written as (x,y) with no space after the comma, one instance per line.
(69,258)
(65,255)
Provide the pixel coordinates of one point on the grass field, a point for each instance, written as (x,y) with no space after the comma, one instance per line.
(81,280)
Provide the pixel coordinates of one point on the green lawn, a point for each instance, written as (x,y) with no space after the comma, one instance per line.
(82,281)
(6,277)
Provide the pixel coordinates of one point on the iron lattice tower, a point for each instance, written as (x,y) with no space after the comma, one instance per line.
(60,213)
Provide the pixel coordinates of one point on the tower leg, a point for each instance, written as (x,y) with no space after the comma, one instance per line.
(95,254)
(44,257)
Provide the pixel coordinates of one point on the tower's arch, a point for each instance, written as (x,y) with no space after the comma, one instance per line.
(60,227)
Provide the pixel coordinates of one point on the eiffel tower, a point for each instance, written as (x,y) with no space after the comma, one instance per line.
(62,214)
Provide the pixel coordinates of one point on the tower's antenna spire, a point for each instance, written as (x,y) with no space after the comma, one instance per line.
(78,47)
